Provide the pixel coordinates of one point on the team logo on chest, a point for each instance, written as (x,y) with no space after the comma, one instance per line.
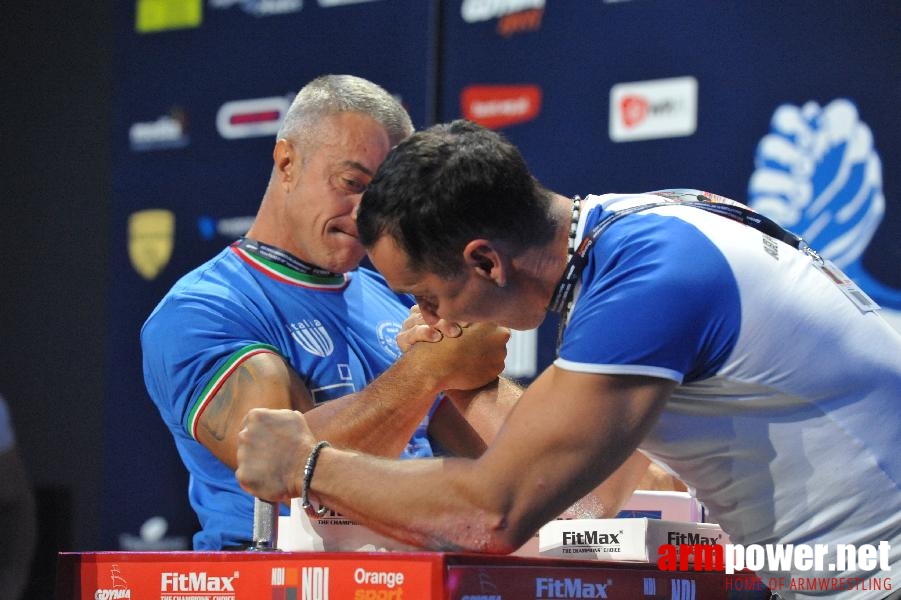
(387,333)
(312,337)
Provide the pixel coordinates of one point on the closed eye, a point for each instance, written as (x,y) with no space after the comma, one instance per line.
(353,186)
(351,177)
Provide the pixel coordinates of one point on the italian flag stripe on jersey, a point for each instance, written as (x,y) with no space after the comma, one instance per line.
(289,275)
(219,378)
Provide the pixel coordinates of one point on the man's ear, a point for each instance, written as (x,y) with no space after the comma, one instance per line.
(482,257)
(284,157)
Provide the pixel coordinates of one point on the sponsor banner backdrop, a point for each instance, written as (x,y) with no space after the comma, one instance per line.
(788,106)
(201,87)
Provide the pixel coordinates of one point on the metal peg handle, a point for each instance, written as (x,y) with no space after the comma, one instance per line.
(265,525)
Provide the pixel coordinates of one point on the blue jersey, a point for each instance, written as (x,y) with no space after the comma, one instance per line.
(787,417)
(337,332)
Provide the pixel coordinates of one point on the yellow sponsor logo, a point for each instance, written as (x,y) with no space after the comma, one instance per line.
(152,16)
(151,235)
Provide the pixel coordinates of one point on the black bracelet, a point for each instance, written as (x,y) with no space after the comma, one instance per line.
(307,478)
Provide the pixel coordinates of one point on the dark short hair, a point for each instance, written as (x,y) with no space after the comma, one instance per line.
(447,185)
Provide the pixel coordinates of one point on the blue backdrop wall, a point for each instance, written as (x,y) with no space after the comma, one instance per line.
(789,106)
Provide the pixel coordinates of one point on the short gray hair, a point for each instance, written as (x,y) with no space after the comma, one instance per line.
(328,95)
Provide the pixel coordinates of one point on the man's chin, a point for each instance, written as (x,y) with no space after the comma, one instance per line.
(344,251)
(347,261)
(521,322)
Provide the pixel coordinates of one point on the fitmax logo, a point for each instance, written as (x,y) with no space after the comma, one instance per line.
(196,582)
(678,538)
(589,538)
(551,587)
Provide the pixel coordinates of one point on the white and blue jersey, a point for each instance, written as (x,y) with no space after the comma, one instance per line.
(787,418)
(337,332)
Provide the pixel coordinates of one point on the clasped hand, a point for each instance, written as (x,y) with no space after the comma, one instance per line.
(464,356)
(273,444)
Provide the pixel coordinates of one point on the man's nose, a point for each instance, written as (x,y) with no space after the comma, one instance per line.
(429,316)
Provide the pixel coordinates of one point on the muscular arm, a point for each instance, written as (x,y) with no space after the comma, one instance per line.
(380,419)
(478,416)
(568,433)
(467,424)
(468,420)
(264,380)
(487,408)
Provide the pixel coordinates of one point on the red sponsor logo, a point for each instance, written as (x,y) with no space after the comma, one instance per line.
(633,109)
(262,116)
(527,20)
(496,106)
(254,117)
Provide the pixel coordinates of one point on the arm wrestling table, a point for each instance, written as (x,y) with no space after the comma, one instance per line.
(279,575)
(265,572)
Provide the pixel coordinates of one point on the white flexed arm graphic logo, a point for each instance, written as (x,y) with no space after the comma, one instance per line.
(817,173)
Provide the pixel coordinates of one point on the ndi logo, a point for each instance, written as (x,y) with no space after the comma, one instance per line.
(683,589)
(314,583)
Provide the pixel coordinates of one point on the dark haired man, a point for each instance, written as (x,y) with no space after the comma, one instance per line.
(697,332)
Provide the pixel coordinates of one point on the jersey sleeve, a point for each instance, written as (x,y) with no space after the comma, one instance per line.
(190,345)
(658,299)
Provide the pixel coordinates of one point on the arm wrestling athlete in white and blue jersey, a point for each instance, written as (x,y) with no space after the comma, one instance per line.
(724,350)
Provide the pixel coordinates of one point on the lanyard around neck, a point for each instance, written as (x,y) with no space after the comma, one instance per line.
(562,300)
(283,258)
